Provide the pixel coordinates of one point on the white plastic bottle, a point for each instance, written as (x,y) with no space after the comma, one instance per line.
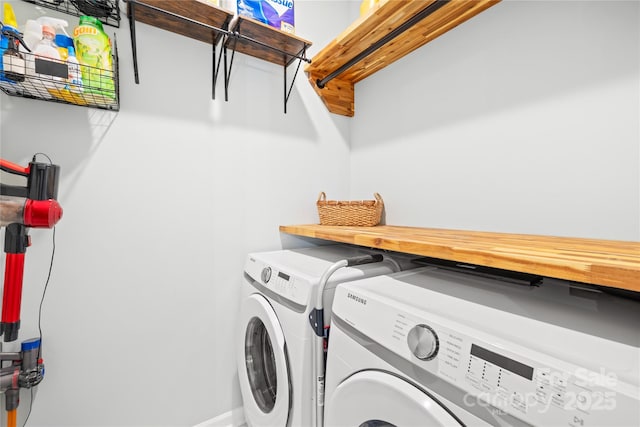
(48,50)
(32,35)
(47,47)
(75,76)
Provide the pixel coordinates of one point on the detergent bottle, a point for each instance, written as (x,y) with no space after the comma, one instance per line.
(75,76)
(12,67)
(93,50)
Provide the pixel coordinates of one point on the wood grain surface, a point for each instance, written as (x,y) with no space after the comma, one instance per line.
(270,36)
(338,95)
(610,263)
(191,14)
(193,10)
(381,21)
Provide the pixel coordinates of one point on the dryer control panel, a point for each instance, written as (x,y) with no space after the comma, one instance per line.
(503,378)
(278,284)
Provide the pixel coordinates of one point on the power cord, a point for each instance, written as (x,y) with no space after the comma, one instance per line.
(42,154)
(44,293)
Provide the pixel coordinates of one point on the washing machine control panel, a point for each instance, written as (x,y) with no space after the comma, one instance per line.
(291,288)
(503,378)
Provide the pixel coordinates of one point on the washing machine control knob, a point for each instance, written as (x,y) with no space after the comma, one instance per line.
(266,274)
(423,342)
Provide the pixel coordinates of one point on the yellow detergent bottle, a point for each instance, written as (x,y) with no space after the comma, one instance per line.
(93,51)
(12,63)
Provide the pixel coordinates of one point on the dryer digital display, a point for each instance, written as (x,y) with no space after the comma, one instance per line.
(502,361)
(283,276)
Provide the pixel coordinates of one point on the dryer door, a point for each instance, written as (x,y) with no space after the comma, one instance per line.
(263,369)
(380,399)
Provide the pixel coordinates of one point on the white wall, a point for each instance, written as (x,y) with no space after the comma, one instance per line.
(524,119)
(162,201)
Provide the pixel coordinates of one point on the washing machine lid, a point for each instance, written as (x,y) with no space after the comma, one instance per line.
(374,398)
(263,365)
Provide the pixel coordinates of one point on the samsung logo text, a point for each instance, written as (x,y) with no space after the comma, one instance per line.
(357,299)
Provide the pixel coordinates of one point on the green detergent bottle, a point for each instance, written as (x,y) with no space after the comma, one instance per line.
(93,51)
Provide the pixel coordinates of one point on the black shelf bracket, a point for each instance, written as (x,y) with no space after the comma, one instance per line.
(287,56)
(132,29)
(131,15)
(228,65)
(321,83)
(287,93)
(229,37)
(216,66)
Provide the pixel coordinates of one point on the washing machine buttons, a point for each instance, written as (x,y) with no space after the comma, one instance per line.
(266,274)
(423,342)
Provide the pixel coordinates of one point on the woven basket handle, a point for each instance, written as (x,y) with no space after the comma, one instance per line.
(322,197)
(378,198)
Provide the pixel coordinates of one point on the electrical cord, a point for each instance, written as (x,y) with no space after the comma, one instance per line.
(42,154)
(44,293)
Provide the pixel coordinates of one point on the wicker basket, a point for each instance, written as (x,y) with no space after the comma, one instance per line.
(364,213)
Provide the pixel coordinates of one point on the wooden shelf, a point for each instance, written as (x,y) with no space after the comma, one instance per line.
(338,94)
(202,21)
(267,43)
(195,19)
(609,263)
(188,15)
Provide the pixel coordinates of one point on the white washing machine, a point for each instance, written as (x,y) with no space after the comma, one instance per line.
(275,340)
(433,347)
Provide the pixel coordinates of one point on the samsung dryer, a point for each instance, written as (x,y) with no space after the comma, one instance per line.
(435,347)
(275,339)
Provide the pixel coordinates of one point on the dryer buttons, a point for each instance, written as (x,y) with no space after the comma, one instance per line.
(266,274)
(423,342)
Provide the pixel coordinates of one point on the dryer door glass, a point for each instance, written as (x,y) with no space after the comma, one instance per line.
(263,368)
(261,365)
(380,399)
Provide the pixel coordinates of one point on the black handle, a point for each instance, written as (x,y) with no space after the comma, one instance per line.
(364,259)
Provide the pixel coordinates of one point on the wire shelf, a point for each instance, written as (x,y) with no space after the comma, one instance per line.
(47,80)
(107,11)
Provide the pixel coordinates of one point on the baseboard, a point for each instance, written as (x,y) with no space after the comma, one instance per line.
(233,418)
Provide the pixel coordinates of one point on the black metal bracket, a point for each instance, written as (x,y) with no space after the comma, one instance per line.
(300,56)
(229,64)
(316,319)
(131,15)
(321,83)
(132,29)
(287,93)
(216,67)
(233,34)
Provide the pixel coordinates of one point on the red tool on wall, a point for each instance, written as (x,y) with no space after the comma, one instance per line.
(21,207)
